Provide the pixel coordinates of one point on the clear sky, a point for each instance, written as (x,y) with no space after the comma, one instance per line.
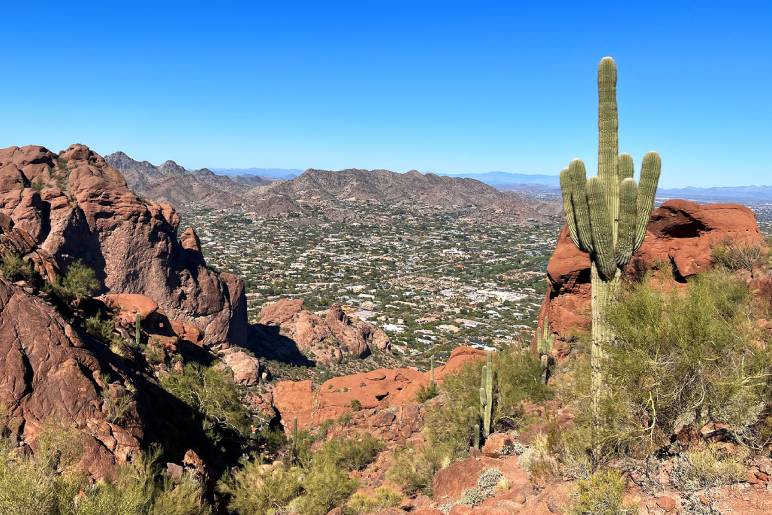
(432,85)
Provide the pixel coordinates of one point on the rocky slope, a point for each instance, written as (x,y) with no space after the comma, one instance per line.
(678,244)
(172,183)
(75,206)
(411,190)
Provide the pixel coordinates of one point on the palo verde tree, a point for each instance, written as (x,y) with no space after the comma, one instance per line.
(607,214)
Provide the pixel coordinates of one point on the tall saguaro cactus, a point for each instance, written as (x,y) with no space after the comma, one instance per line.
(607,214)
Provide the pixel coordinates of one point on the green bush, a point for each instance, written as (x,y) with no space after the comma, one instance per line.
(212,392)
(736,256)
(49,483)
(14,267)
(325,486)
(601,494)
(708,467)
(689,356)
(101,329)
(518,378)
(79,282)
(426,392)
(413,468)
(381,498)
(256,488)
(350,453)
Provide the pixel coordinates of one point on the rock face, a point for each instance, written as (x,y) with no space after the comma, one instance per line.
(285,329)
(49,373)
(75,206)
(680,237)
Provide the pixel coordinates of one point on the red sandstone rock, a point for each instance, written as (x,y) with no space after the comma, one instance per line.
(49,374)
(245,368)
(324,340)
(85,211)
(128,305)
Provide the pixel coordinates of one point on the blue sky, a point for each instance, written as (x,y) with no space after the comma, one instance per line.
(436,86)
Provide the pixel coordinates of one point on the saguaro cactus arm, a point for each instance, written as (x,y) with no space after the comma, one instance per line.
(647,190)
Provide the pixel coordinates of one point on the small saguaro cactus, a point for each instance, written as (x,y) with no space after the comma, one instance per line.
(607,215)
(486,396)
(431,370)
(138,330)
(544,343)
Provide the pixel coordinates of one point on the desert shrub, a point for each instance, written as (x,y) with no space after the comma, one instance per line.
(47,482)
(350,453)
(79,282)
(710,466)
(117,401)
(539,460)
(413,468)
(256,488)
(356,405)
(380,499)
(185,498)
(688,356)
(601,494)
(426,392)
(736,256)
(100,328)
(449,423)
(212,392)
(518,378)
(325,486)
(13,267)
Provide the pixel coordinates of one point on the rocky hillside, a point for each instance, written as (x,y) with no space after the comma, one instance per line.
(172,183)
(411,190)
(75,206)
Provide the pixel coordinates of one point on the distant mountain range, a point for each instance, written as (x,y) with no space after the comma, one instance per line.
(542,183)
(411,190)
(268,173)
(177,185)
(339,193)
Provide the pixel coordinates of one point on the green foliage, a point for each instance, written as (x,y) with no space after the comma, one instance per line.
(79,282)
(708,467)
(601,494)
(325,486)
(356,405)
(381,498)
(14,267)
(101,329)
(426,392)
(689,356)
(257,488)
(350,453)
(212,392)
(736,256)
(49,483)
(413,468)
(519,378)
(117,401)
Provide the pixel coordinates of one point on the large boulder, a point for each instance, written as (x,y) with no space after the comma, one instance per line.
(75,206)
(680,237)
(285,328)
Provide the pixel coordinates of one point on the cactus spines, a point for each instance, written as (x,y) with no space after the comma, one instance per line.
(138,330)
(486,396)
(609,213)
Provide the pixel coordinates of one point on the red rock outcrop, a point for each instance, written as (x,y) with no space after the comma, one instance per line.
(75,206)
(286,326)
(680,237)
(382,401)
(49,374)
